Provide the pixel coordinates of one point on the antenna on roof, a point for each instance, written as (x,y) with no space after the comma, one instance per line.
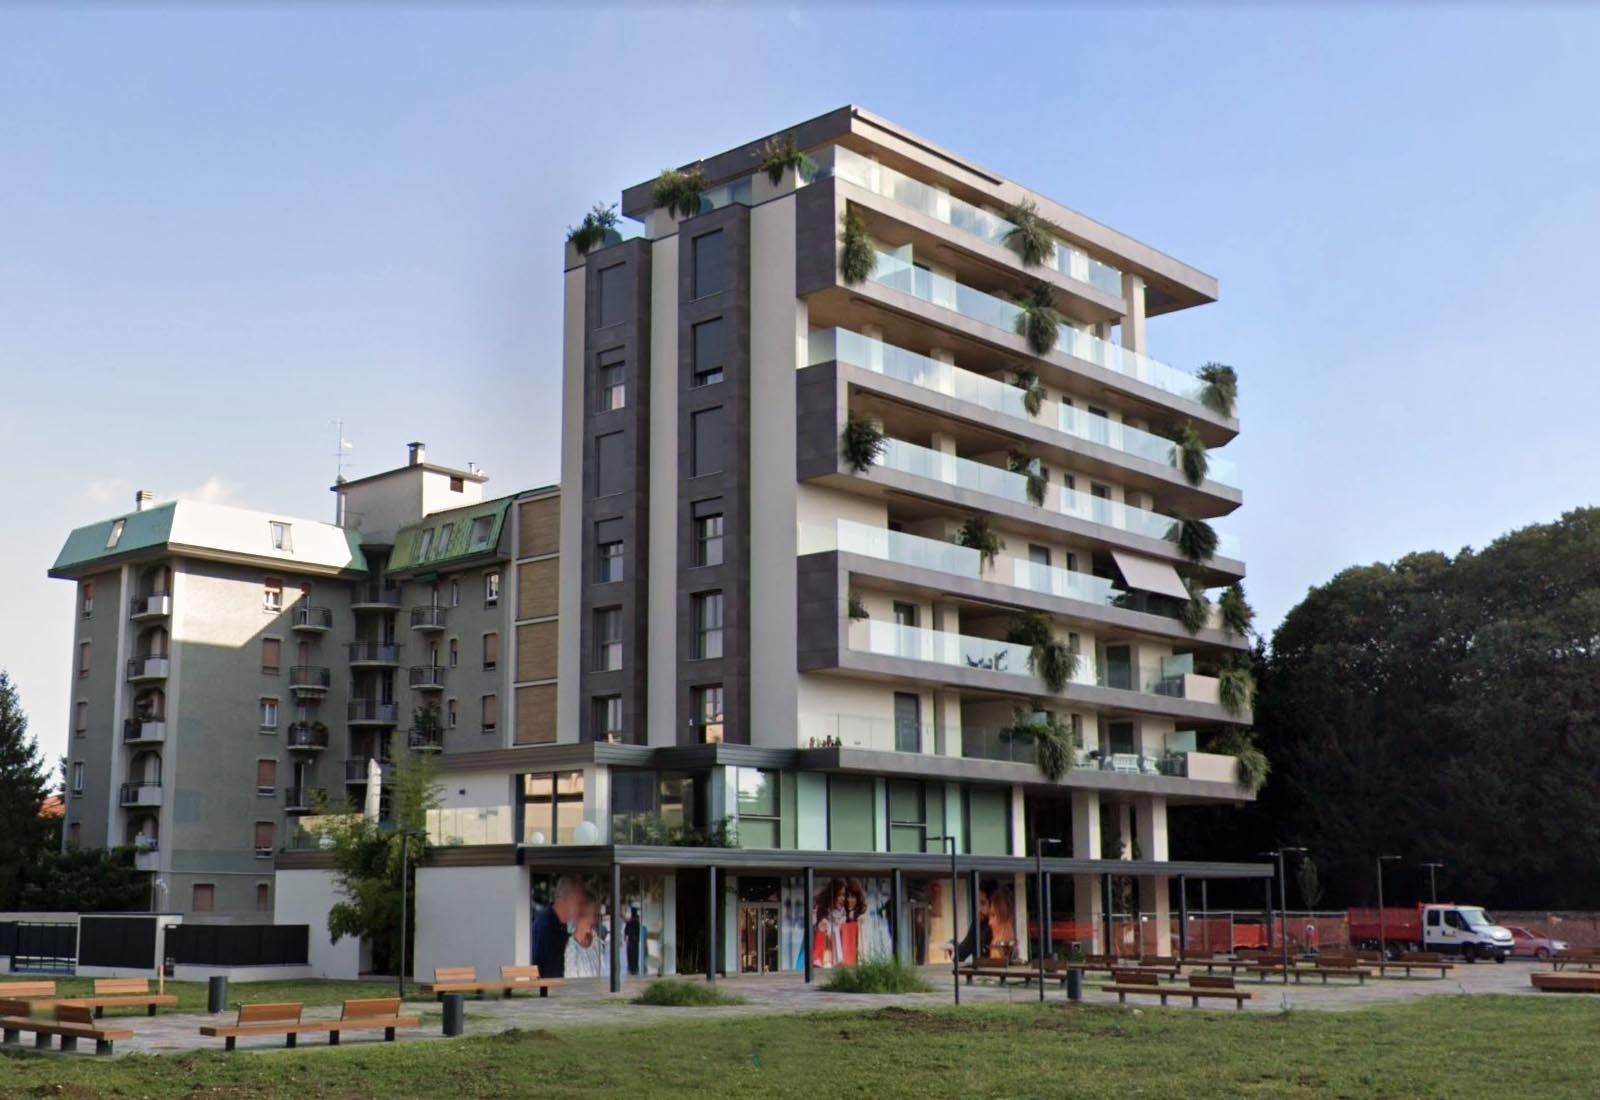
(338,454)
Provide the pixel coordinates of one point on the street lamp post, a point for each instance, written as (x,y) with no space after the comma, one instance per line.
(955,940)
(1433,885)
(405,899)
(1283,901)
(1383,949)
(1038,877)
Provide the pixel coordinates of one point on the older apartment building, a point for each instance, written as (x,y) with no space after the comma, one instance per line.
(834,508)
(235,670)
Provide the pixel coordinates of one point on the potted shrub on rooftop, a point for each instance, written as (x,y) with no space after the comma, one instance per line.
(780,155)
(679,193)
(1028,237)
(1051,659)
(862,442)
(857,259)
(599,226)
(1221,392)
(1040,321)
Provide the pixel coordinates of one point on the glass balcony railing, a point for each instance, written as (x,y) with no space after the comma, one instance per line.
(883,544)
(959,650)
(471,825)
(997,396)
(898,273)
(983,224)
(857,731)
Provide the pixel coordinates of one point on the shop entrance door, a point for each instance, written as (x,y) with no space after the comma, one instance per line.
(758,937)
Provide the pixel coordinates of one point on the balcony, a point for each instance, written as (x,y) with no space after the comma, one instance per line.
(373,655)
(140,794)
(984,224)
(306,737)
(374,597)
(428,618)
(143,731)
(309,679)
(356,772)
(427,677)
(148,858)
(425,740)
(370,712)
(315,620)
(856,731)
(303,800)
(142,669)
(897,273)
(993,481)
(154,606)
(958,650)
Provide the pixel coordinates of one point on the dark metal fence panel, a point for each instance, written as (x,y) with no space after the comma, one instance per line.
(45,948)
(124,942)
(8,937)
(239,944)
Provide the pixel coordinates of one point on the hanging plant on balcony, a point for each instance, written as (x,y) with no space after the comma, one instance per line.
(1051,659)
(1221,390)
(1237,614)
(1196,610)
(1028,237)
(862,442)
(977,533)
(858,609)
(1032,390)
(857,258)
(1032,469)
(1236,687)
(779,155)
(1254,767)
(679,193)
(1040,320)
(1053,741)
(594,228)
(1195,538)
(1189,452)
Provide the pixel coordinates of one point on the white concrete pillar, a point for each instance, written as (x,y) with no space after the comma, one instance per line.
(1086,909)
(1155,893)
(1133,319)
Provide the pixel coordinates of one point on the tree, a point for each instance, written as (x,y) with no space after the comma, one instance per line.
(24,786)
(1310,883)
(371,868)
(86,880)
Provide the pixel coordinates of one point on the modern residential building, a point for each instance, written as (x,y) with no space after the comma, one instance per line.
(835,513)
(235,669)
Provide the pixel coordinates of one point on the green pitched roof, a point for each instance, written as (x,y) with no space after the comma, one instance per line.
(444,549)
(140,531)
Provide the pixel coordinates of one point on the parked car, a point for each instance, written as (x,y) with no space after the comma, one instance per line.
(1525,945)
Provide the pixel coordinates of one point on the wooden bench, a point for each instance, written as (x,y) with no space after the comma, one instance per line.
(123,993)
(1416,960)
(1586,957)
(1145,983)
(1330,971)
(285,1020)
(1001,971)
(21,991)
(464,979)
(1549,981)
(69,1024)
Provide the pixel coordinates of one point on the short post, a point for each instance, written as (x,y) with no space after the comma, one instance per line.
(217,993)
(1267,909)
(616,927)
(809,947)
(455,1014)
(711,924)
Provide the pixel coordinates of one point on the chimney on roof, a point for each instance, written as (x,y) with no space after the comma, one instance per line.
(143,499)
(419,453)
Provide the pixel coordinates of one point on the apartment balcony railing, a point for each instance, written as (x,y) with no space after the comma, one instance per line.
(374,597)
(372,712)
(428,618)
(143,731)
(857,731)
(957,650)
(306,737)
(899,274)
(155,605)
(154,667)
(358,772)
(373,653)
(427,677)
(306,617)
(302,800)
(425,740)
(960,214)
(996,396)
(140,793)
(147,859)
(924,462)
(309,678)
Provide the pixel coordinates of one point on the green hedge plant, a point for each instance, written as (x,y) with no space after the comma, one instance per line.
(679,193)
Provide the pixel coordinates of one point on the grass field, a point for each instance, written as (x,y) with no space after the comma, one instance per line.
(1485,1046)
(192,995)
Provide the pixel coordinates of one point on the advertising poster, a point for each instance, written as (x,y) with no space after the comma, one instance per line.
(851,920)
(572,925)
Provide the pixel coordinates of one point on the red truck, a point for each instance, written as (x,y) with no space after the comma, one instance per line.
(1448,928)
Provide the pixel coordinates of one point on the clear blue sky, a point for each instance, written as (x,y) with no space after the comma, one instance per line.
(221,227)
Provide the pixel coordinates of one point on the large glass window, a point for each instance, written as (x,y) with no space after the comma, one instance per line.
(610,289)
(707,352)
(608,551)
(706,442)
(709,271)
(608,639)
(607,716)
(706,703)
(988,821)
(850,813)
(908,825)
(612,390)
(552,807)
(707,625)
(708,532)
(758,807)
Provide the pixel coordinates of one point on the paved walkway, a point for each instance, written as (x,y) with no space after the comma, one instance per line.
(590,1003)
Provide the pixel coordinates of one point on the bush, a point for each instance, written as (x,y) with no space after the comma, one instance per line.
(877,976)
(679,994)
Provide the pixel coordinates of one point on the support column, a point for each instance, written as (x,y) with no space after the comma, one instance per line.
(1110,909)
(972,902)
(1086,910)
(713,902)
(1268,911)
(1154,893)
(811,916)
(616,928)
(1133,320)
(897,894)
(1183,914)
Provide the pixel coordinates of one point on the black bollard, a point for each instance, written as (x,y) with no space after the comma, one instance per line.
(1074,985)
(217,993)
(455,1014)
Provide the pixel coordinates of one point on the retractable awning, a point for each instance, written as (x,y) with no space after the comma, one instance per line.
(1150,576)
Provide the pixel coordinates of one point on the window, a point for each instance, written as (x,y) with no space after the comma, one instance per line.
(907,816)
(77,777)
(455,593)
(707,620)
(706,706)
(612,390)
(269,714)
(609,476)
(552,807)
(907,722)
(491,713)
(450,713)
(271,654)
(263,898)
(116,534)
(1038,555)
(758,807)
(203,898)
(272,595)
(424,544)
(445,534)
(607,717)
(706,352)
(458,484)
(1099,490)
(280,536)
(608,639)
(705,442)
(85,658)
(266,776)
(86,594)
(608,551)
(264,839)
(80,717)
(491,651)
(609,309)
(491,588)
(455,652)
(708,532)
(480,532)
(709,276)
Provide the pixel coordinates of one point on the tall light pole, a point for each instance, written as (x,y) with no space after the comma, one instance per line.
(1038,878)
(1433,885)
(1383,950)
(1283,901)
(405,898)
(955,940)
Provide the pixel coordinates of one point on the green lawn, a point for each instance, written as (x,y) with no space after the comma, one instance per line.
(1441,1046)
(192,995)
